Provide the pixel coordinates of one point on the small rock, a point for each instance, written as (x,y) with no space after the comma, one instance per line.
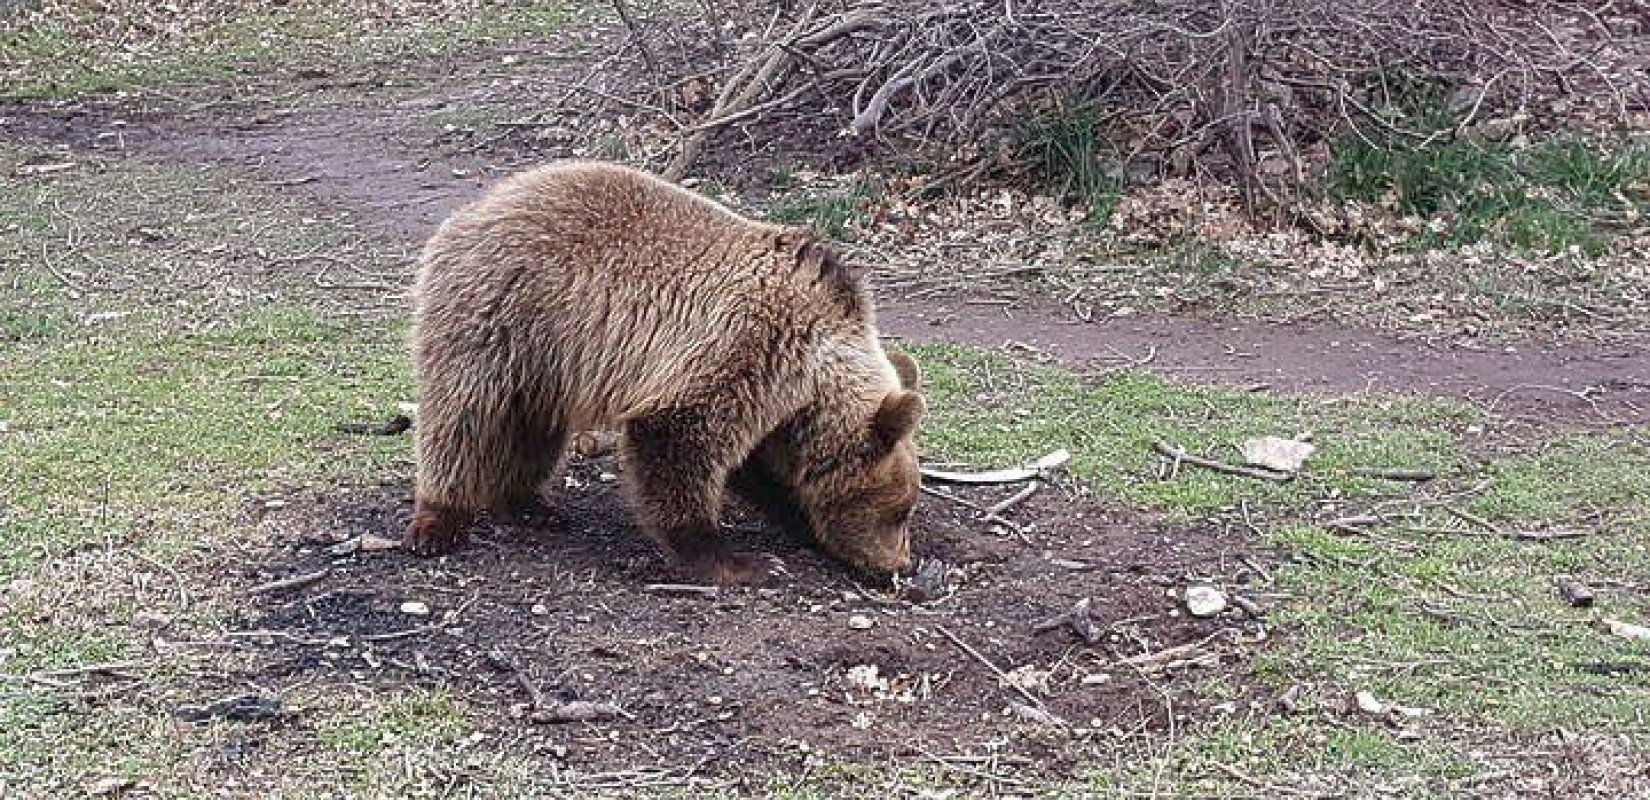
(373,543)
(110,787)
(1082,622)
(415,608)
(1276,453)
(1290,698)
(153,620)
(539,610)
(1370,704)
(860,622)
(1576,593)
(866,677)
(929,581)
(1203,600)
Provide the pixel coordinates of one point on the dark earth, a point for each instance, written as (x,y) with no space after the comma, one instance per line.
(570,601)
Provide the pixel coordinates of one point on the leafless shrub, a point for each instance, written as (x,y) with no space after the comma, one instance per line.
(1241,86)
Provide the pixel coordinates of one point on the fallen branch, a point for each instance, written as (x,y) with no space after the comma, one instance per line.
(1037,469)
(995,512)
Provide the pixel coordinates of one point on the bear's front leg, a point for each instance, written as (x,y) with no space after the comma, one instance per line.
(677,462)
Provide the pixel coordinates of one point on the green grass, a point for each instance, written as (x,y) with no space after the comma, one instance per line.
(834,213)
(71,48)
(128,432)
(133,441)
(1557,194)
(1429,611)
(1067,149)
(989,409)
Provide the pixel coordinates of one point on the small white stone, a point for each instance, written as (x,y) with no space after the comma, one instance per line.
(866,677)
(415,608)
(539,610)
(1204,600)
(860,622)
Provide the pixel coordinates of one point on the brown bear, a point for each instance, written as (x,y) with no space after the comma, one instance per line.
(732,354)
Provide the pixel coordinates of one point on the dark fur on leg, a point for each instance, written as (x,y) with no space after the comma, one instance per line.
(754,483)
(436,529)
(676,477)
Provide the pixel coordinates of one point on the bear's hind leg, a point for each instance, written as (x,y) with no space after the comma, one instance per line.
(677,463)
(475,454)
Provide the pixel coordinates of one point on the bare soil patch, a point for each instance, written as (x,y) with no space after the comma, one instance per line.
(1543,381)
(749,680)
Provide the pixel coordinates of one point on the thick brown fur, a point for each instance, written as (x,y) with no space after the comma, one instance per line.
(731,353)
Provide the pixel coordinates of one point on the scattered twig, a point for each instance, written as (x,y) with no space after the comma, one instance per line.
(687,589)
(293,582)
(1002,677)
(1410,475)
(996,511)
(1178,455)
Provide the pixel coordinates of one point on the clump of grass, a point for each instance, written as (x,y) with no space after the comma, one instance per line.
(1067,149)
(1548,196)
(835,214)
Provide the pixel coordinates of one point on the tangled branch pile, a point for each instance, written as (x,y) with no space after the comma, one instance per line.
(1242,87)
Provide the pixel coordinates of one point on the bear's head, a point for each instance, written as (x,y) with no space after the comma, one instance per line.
(861,512)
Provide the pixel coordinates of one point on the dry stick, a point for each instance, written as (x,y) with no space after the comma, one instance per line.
(681,589)
(636,35)
(996,511)
(293,582)
(1180,455)
(1416,475)
(535,697)
(1474,519)
(1002,676)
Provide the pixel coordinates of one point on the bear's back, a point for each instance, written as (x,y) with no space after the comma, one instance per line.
(631,281)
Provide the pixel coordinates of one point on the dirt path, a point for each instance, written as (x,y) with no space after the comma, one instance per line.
(368,162)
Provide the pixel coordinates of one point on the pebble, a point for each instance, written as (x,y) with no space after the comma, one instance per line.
(1204,601)
(860,622)
(415,608)
(539,609)
(151,619)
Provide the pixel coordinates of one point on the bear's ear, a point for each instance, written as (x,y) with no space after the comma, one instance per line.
(909,375)
(896,418)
